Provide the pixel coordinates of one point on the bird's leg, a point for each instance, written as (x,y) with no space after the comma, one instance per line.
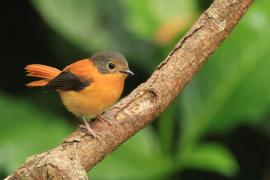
(89,129)
(104,119)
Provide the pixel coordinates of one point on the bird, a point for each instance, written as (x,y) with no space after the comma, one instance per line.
(87,87)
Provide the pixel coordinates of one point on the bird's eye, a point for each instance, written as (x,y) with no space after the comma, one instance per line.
(111,65)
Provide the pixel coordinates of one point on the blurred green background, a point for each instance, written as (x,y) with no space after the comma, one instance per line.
(218,128)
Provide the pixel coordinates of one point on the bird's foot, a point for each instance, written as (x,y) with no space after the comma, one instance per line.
(105,119)
(90,131)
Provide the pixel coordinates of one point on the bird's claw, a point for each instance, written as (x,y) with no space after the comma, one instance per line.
(89,130)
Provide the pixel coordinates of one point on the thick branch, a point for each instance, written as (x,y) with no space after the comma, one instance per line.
(80,152)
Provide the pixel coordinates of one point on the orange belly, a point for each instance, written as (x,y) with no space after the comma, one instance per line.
(92,100)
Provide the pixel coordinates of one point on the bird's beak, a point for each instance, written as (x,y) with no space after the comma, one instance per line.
(128,72)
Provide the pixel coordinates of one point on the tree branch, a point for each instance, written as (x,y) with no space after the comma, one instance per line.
(80,152)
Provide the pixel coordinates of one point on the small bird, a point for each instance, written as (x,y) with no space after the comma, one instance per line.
(87,87)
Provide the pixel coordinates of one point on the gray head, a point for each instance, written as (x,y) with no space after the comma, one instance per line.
(110,62)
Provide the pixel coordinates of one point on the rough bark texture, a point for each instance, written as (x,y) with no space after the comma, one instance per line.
(79,152)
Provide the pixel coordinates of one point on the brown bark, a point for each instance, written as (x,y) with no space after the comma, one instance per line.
(80,152)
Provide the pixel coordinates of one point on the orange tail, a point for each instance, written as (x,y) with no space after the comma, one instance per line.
(47,73)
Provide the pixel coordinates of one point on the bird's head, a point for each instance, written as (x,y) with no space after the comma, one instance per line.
(111,63)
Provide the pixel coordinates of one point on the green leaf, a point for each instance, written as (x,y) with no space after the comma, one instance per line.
(166,127)
(212,157)
(138,158)
(26,130)
(233,87)
(145,17)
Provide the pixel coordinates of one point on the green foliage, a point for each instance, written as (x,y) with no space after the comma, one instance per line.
(26,130)
(145,17)
(139,158)
(230,93)
(212,157)
(232,89)
(126,26)
(93,25)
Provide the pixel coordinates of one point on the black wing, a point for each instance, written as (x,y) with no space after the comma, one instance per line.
(67,81)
